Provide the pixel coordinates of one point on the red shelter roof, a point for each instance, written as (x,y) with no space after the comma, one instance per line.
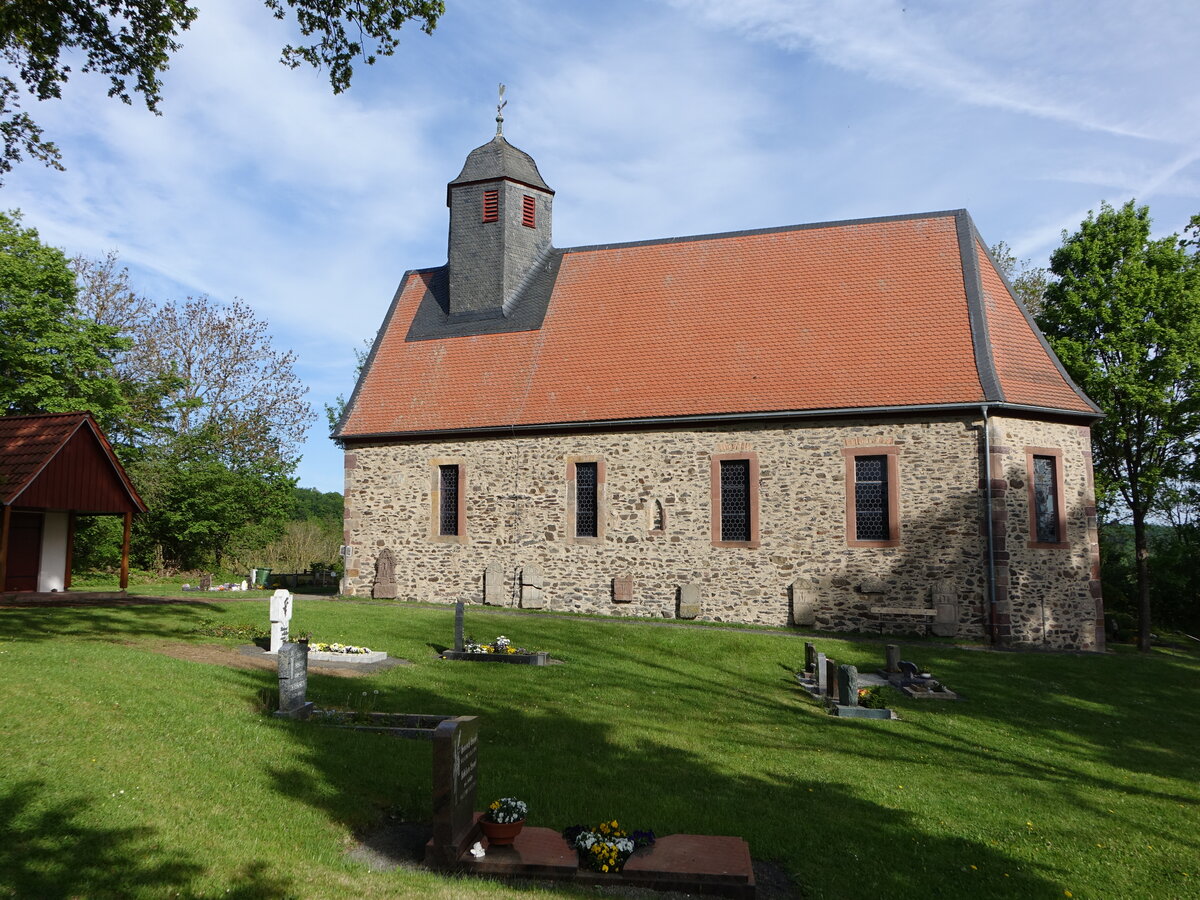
(62,461)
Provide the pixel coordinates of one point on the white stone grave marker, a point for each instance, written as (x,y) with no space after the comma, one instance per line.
(281,615)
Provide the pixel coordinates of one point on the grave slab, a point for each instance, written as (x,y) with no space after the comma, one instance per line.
(687,863)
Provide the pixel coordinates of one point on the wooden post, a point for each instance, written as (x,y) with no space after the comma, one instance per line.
(70,549)
(125,551)
(4,547)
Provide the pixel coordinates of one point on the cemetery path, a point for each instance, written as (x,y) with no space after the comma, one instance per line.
(254,658)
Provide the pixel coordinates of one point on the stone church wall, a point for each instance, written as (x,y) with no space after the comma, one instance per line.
(518,504)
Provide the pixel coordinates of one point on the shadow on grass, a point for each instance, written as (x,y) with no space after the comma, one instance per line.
(45,852)
(572,770)
(105,623)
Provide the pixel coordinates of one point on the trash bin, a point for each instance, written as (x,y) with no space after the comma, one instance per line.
(263,576)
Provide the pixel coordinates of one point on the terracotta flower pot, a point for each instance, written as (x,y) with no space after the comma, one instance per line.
(501,835)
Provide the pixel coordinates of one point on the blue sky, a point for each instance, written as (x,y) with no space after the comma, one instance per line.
(649,119)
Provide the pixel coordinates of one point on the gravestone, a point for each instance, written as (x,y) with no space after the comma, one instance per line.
(872,585)
(892,666)
(385,576)
(810,655)
(689,601)
(945,606)
(819,672)
(206,582)
(293,682)
(623,589)
(804,602)
(847,679)
(830,678)
(532,595)
(458,626)
(493,585)
(281,617)
(455,779)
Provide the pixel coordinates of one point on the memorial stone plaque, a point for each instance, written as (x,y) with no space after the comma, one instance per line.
(804,602)
(810,656)
(623,589)
(830,678)
(847,677)
(532,595)
(945,605)
(455,779)
(819,671)
(458,626)
(281,616)
(493,585)
(689,601)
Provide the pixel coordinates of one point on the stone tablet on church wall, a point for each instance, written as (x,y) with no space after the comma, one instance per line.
(689,601)
(532,595)
(493,584)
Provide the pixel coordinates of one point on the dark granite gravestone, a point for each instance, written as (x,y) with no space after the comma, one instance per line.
(810,656)
(892,666)
(293,682)
(830,677)
(455,779)
(458,626)
(847,678)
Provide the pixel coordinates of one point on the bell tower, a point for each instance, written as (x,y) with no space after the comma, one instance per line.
(500,216)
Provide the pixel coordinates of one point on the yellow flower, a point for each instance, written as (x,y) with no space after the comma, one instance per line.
(604,868)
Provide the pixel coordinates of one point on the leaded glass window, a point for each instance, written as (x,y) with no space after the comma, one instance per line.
(735,500)
(871,498)
(585,499)
(1045,499)
(448,500)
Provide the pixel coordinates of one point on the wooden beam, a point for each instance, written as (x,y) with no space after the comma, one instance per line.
(70,549)
(4,547)
(125,551)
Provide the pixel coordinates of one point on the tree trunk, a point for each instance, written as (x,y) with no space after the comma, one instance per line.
(1141,555)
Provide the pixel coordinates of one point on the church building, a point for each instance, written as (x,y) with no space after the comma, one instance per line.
(848,426)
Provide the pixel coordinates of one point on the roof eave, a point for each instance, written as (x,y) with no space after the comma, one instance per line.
(720,418)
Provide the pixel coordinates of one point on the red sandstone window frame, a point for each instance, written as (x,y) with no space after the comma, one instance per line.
(491,206)
(715,461)
(569,528)
(891,455)
(1060,495)
(435,501)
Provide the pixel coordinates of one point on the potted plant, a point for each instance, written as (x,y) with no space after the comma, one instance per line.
(503,820)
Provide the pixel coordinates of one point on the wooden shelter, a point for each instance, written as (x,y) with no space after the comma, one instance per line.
(53,468)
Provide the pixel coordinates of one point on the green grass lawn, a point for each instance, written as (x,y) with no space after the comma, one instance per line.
(127,772)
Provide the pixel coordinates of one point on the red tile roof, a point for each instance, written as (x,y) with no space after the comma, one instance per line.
(840,316)
(62,461)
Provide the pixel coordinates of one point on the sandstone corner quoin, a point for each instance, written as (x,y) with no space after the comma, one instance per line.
(850,426)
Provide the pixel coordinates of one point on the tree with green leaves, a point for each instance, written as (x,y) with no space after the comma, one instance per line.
(1124,318)
(51,359)
(131,43)
(1027,280)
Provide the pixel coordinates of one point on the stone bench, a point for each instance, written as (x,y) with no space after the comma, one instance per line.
(899,612)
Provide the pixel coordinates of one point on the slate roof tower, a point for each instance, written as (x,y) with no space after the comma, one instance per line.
(500,216)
